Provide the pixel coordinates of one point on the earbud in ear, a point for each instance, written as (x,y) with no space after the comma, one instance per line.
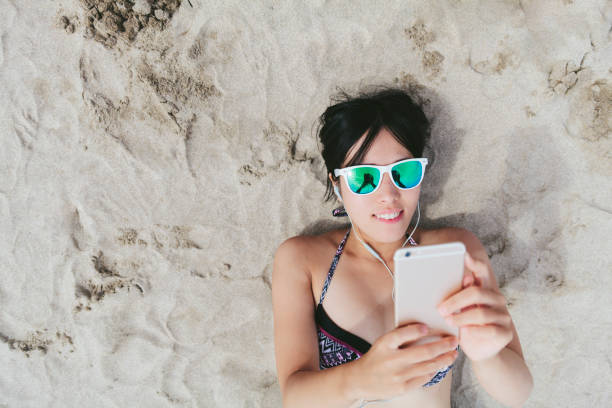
(337,191)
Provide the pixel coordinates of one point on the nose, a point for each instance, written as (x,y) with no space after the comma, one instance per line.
(387,192)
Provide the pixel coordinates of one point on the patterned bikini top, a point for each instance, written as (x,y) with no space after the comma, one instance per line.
(338,346)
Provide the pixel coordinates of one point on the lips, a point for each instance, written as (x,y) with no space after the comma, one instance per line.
(389,216)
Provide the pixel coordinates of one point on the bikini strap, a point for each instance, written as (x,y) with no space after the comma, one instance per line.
(334,263)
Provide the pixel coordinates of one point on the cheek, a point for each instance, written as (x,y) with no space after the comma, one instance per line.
(357,207)
(411,195)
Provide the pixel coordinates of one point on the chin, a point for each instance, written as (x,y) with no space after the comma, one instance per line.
(389,233)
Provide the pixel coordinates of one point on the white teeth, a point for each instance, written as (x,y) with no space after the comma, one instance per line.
(388,216)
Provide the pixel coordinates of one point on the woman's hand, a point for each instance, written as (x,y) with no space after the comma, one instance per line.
(480,312)
(393,365)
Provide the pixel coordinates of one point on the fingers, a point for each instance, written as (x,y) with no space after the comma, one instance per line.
(405,334)
(468,280)
(475,265)
(468,276)
(430,367)
(429,351)
(480,316)
(471,296)
(469,261)
(413,366)
(419,382)
(481,271)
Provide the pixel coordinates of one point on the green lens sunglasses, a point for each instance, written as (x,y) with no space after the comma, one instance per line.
(365,179)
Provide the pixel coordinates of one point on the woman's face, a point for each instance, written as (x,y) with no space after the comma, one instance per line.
(365,211)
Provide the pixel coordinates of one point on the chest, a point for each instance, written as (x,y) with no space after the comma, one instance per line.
(358,297)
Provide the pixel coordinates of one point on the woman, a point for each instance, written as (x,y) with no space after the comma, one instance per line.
(348,353)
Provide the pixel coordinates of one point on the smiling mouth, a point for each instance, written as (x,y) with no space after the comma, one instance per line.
(389,216)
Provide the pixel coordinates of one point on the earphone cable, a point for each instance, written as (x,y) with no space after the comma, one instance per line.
(375,254)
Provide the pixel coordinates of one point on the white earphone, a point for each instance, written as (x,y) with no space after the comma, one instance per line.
(375,254)
(337,191)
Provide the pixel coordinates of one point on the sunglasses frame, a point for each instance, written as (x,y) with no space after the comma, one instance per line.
(383,169)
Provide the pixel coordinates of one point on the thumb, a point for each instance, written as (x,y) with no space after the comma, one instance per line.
(469,261)
(405,334)
(468,279)
(468,276)
(477,269)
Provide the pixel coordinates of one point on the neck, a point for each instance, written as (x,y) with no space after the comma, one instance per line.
(386,250)
(383,251)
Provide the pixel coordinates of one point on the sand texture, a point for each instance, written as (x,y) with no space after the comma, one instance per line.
(154,153)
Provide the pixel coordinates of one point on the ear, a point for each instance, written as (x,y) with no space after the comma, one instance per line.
(335,187)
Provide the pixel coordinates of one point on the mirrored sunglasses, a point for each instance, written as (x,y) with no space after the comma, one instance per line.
(365,179)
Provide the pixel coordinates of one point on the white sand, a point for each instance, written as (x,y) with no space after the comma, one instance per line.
(147,177)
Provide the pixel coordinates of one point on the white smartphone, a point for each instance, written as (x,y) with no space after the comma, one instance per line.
(424,277)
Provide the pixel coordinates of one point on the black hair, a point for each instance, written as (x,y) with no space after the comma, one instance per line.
(344,122)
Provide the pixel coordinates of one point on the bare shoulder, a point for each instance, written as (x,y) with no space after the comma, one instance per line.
(293,304)
(450,234)
(302,252)
(288,259)
(302,248)
(292,246)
